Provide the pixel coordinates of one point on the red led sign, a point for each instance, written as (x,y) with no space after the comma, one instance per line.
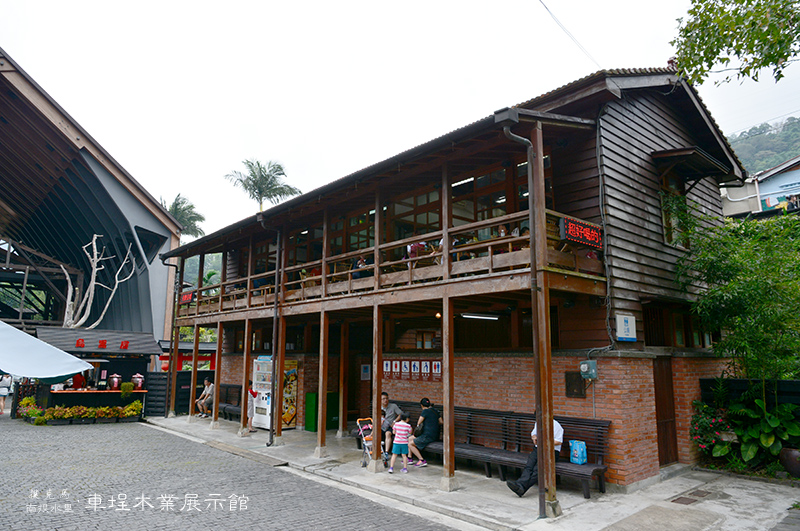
(581,232)
(80,343)
(124,345)
(187,297)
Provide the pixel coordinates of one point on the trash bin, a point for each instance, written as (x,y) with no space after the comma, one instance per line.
(312,407)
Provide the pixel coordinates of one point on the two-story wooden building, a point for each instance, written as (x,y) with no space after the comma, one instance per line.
(428,274)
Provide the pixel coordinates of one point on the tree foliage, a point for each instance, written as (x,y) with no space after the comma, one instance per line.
(184,211)
(765,146)
(263,182)
(750,270)
(753,34)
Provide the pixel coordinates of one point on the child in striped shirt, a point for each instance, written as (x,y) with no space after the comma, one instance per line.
(401,429)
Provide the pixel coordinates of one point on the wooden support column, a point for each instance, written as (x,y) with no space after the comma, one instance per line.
(322,399)
(344,359)
(446,218)
(541,325)
(376,464)
(326,245)
(280,364)
(193,385)
(246,368)
(199,284)
(376,256)
(217,376)
(448,481)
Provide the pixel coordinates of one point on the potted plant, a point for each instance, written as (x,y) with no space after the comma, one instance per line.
(105,415)
(58,415)
(125,391)
(131,412)
(28,410)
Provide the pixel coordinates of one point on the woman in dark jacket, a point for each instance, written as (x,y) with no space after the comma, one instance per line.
(430,421)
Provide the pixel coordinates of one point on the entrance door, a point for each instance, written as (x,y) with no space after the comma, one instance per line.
(665,411)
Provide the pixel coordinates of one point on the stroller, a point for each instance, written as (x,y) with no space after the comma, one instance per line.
(365,432)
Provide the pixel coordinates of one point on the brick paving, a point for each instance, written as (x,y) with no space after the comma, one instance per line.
(132,476)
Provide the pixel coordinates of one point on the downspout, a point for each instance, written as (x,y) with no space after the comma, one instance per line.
(275,417)
(537,377)
(173,354)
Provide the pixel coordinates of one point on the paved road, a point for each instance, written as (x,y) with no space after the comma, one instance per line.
(133,476)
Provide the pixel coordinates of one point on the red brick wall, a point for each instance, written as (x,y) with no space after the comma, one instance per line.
(686,373)
(622,394)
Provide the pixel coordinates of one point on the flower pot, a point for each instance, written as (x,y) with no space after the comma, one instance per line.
(58,422)
(106,420)
(790,459)
(81,420)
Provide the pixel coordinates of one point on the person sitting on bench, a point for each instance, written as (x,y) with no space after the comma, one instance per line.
(530,474)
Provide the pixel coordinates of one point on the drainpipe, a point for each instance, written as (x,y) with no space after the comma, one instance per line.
(275,416)
(174,337)
(506,117)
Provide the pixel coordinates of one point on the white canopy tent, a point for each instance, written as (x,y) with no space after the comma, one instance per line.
(23,355)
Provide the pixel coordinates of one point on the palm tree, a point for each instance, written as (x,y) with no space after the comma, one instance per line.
(263,182)
(183,210)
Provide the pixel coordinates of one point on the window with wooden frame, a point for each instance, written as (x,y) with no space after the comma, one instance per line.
(417,213)
(264,254)
(425,339)
(673,198)
(480,198)
(521,185)
(304,245)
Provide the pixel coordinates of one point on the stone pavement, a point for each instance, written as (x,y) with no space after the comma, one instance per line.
(200,466)
(137,476)
(684,500)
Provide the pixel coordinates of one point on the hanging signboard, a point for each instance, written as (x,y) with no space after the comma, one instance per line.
(580,232)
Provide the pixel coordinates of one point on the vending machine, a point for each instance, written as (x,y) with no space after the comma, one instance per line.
(262,384)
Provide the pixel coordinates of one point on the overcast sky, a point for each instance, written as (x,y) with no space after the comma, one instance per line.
(179,93)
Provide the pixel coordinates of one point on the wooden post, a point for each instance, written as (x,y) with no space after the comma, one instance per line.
(448,481)
(375,464)
(541,324)
(193,385)
(246,366)
(217,375)
(325,250)
(344,358)
(376,251)
(322,402)
(280,364)
(446,218)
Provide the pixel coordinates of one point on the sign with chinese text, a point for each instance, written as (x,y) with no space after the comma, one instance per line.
(580,232)
(626,328)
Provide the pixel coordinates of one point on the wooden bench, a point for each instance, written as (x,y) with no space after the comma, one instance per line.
(502,438)
(230,396)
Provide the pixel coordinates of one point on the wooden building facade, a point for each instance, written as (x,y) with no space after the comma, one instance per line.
(434,256)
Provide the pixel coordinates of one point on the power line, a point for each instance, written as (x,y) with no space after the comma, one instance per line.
(764,122)
(560,25)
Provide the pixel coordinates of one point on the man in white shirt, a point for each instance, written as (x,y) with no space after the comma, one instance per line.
(206,399)
(530,474)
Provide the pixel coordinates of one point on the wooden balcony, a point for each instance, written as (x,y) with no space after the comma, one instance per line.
(468,257)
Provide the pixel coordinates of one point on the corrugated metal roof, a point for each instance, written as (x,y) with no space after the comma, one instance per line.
(473,128)
(68,339)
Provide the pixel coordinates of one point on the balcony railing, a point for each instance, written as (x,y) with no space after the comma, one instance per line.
(397,268)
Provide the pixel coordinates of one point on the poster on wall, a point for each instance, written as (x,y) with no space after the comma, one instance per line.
(290,394)
(436,371)
(425,370)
